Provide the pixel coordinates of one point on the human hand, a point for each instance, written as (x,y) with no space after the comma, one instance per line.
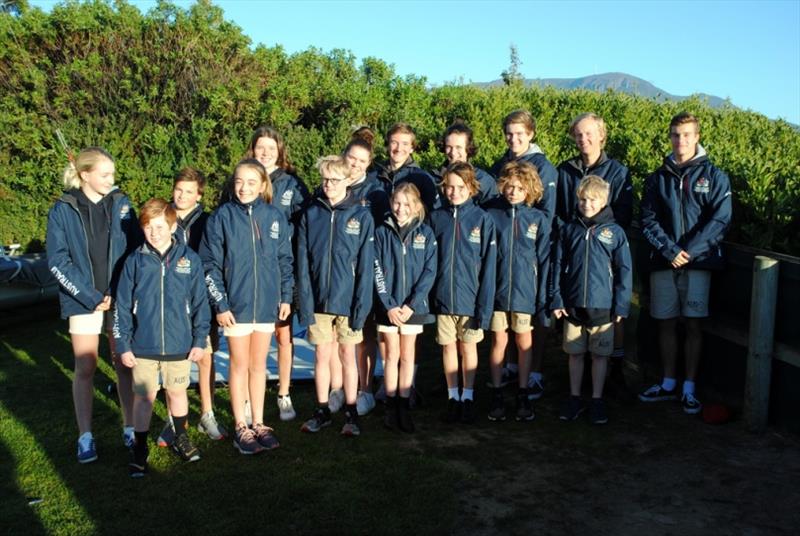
(226,319)
(560,312)
(681,259)
(395,315)
(284,311)
(196,354)
(104,305)
(407,312)
(128,359)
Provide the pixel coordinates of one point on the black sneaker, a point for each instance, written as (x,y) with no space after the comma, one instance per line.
(467,411)
(597,411)
(497,412)
(572,409)
(656,393)
(390,417)
(404,416)
(183,447)
(453,411)
(317,422)
(524,410)
(137,466)
(691,406)
(351,427)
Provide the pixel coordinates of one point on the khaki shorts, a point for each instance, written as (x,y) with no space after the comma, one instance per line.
(598,340)
(242,330)
(405,329)
(174,375)
(675,293)
(326,325)
(88,324)
(519,322)
(450,328)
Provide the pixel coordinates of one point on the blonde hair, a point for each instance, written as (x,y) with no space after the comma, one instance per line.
(528,177)
(258,167)
(86,161)
(593,187)
(415,199)
(601,126)
(333,164)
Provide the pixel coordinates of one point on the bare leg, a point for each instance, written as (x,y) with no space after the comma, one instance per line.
(347,356)
(283,334)
(124,384)
(335,373)
(407,353)
(205,368)
(322,370)
(575,374)
(537,361)
(390,343)
(668,346)
(599,366)
(469,357)
(694,346)
(143,411)
(497,356)
(85,349)
(525,355)
(450,364)
(238,375)
(178,401)
(257,373)
(365,350)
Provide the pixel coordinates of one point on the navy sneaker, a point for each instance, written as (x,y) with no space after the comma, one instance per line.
(597,411)
(572,409)
(87,452)
(691,406)
(656,393)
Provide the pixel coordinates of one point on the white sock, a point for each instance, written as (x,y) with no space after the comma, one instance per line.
(466,394)
(688,387)
(86,436)
(452,392)
(537,376)
(669,384)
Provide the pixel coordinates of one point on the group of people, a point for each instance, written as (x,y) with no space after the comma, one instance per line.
(369,258)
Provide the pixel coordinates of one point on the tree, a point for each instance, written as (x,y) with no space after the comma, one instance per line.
(512,76)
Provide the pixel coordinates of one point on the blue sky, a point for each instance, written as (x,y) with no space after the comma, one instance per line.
(746,51)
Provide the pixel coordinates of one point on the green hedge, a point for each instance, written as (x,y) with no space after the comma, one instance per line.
(178,87)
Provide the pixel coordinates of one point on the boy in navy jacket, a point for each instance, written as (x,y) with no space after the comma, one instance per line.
(335,259)
(591,290)
(161,321)
(686,210)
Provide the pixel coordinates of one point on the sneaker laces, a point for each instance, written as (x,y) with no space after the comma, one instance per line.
(689,399)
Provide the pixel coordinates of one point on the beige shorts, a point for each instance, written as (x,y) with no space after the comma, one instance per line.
(598,340)
(450,328)
(242,330)
(174,375)
(325,326)
(88,324)
(405,329)
(675,293)
(519,322)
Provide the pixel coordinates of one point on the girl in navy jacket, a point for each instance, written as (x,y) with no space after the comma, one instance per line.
(247,256)
(405,269)
(291,196)
(523,257)
(90,229)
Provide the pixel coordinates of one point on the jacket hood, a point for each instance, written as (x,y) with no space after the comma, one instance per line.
(577,162)
(606,215)
(700,157)
(349,200)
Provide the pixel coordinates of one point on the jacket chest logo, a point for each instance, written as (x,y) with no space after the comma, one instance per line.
(124,212)
(183,266)
(533,230)
(286,198)
(353,226)
(606,236)
(274,230)
(475,235)
(702,186)
(419,242)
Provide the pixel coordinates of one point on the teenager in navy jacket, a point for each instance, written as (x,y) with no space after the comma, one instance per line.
(335,257)
(523,260)
(161,321)
(90,229)
(400,145)
(458,145)
(247,255)
(463,294)
(405,270)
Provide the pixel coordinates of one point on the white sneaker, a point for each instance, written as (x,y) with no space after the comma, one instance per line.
(128,437)
(336,400)
(248,414)
(365,402)
(286,408)
(208,425)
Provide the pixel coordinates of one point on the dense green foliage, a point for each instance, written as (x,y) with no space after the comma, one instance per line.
(178,87)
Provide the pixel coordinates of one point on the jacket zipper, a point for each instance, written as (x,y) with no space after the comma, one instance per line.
(683,215)
(453,258)
(163,273)
(511,254)
(255,261)
(586,266)
(85,242)
(330,258)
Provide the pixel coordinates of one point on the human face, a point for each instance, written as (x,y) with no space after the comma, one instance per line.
(684,140)
(518,138)
(400,148)
(247,185)
(455,189)
(588,139)
(589,206)
(185,196)
(266,152)
(159,233)
(99,180)
(335,187)
(515,192)
(358,160)
(455,147)
(402,208)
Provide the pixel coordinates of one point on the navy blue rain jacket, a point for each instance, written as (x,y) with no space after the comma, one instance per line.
(465,283)
(547,173)
(247,257)
(335,260)
(488,185)
(68,251)
(620,196)
(371,193)
(523,257)
(405,269)
(592,266)
(191,228)
(686,207)
(411,172)
(288,194)
(162,304)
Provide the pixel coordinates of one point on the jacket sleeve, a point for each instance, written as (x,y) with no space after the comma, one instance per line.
(563,195)
(286,261)
(212,253)
(549,180)
(72,280)
(299,199)
(543,247)
(305,314)
(382,282)
(423,286)
(122,329)
(554,280)
(364,284)
(134,237)
(488,272)
(622,199)
(651,228)
(201,311)
(718,219)
(623,279)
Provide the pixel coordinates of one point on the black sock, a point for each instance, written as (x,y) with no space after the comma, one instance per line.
(522,391)
(325,409)
(181,424)
(351,409)
(140,444)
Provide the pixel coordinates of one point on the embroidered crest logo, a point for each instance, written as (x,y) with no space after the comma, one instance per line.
(475,235)
(533,230)
(183,266)
(275,230)
(419,242)
(286,198)
(352,227)
(702,186)
(606,236)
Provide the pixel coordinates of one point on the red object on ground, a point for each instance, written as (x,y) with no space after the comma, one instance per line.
(716,414)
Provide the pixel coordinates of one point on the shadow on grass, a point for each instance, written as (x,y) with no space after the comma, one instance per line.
(18,509)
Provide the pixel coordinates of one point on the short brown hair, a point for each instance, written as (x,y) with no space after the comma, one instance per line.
(522,117)
(190,174)
(601,125)
(460,127)
(258,167)
(401,128)
(593,186)
(266,131)
(683,118)
(466,172)
(154,208)
(527,175)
